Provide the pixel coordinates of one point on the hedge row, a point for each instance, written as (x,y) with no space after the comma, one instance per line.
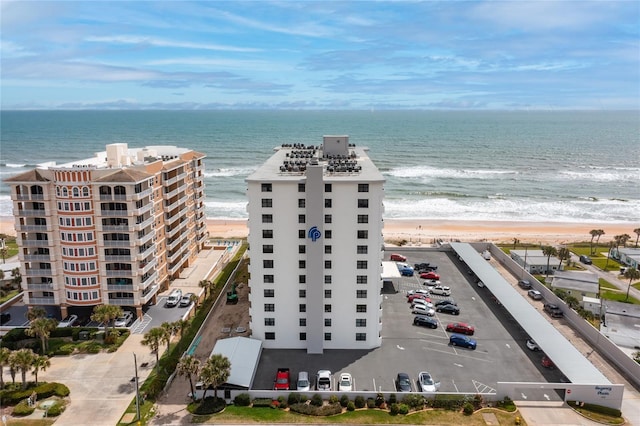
(313,410)
(43,390)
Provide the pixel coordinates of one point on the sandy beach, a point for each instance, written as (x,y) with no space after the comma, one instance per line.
(426,231)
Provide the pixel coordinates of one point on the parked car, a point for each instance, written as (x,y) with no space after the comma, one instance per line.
(418,291)
(421,302)
(586,260)
(403,382)
(405,270)
(423,310)
(441,290)
(185,300)
(425,267)
(448,309)
(282,381)
(546,362)
(431,283)
(303,383)
(524,284)
(413,297)
(124,320)
(461,327)
(534,294)
(553,310)
(464,341)
(425,321)
(429,276)
(5,317)
(68,321)
(398,257)
(324,380)
(532,345)
(174,298)
(346,382)
(426,383)
(446,302)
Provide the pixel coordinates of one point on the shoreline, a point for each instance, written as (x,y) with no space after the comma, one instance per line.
(425,231)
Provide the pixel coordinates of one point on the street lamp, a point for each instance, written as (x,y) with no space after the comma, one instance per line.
(135,363)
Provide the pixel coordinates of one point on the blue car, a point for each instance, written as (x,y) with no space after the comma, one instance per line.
(464,341)
(405,270)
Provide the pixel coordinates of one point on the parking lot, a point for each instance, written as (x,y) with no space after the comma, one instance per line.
(501,354)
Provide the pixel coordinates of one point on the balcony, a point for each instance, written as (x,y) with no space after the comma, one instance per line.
(175,179)
(142,210)
(116,228)
(146,266)
(27,197)
(140,226)
(173,269)
(145,238)
(33,213)
(122,301)
(129,288)
(42,301)
(36,243)
(177,229)
(120,273)
(38,272)
(151,292)
(145,253)
(169,195)
(40,287)
(37,258)
(151,278)
(33,228)
(114,213)
(118,243)
(176,243)
(119,258)
(140,195)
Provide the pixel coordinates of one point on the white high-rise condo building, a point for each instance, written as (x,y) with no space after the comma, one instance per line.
(315,238)
(112,229)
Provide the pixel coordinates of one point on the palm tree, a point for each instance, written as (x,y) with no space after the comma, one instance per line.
(16,276)
(515,242)
(206,284)
(167,330)
(611,246)
(632,274)
(563,254)
(181,326)
(196,301)
(593,233)
(40,363)
(36,312)
(599,234)
(5,353)
(189,366)
(549,251)
(42,328)
(214,372)
(22,361)
(152,338)
(637,232)
(106,314)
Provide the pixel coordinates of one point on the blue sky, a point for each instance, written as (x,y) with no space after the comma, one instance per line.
(320,55)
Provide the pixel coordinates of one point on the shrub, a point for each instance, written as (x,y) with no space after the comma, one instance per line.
(333,399)
(262,402)
(56,409)
(371,403)
(303,398)
(448,402)
(351,406)
(312,410)
(344,400)
(477,402)
(394,409)
(403,408)
(379,400)
(242,400)
(23,409)
(393,398)
(282,401)
(316,400)
(63,350)
(360,402)
(467,409)
(210,405)
(414,401)
(293,398)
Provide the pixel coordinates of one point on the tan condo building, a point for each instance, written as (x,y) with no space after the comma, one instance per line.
(112,229)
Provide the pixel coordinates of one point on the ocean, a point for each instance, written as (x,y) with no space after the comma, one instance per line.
(544,166)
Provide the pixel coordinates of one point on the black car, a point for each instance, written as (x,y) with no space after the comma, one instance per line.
(586,259)
(403,383)
(425,321)
(448,309)
(553,310)
(445,302)
(5,317)
(425,267)
(524,284)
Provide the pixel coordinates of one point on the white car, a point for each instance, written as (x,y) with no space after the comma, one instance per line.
(441,290)
(423,310)
(124,320)
(418,291)
(421,302)
(68,321)
(324,380)
(431,283)
(303,383)
(346,382)
(426,383)
(532,345)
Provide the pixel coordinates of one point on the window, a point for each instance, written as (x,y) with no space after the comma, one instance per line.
(363,218)
(301,218)
(267,233)
(363,203)
(303,336)
(270,336)
(270,321)
(327,218)
(363,187)
(267,218)
(361,322)
(269,307)
(301,203)
(327,203)
(327,294)
(302,249)
(327,234)
(302,322)
(327,322)
(361,337)
(361,308)
(327,308)
(302,293)
(361,294)
(327,264)
(327,336)
(361,279)
(267,248)
(327,187)
(267,202)
(302,279)
(302,307)
(363,249)
(301,187)
(327,279)
(361,264)
(363,234)
(266,187)
(268,279)
(269,292)
(301,233)
(327,249)
(267,264)
(302,264)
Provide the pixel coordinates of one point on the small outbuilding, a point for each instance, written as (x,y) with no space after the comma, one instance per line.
(578,284)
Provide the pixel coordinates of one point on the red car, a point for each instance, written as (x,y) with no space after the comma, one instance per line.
(418,296)
(546,362)
(429,276)
(461,327)
(398,257)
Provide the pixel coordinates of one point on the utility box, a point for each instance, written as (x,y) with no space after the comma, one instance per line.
(83,335)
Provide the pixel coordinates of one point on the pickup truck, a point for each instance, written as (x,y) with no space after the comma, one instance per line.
(282,381)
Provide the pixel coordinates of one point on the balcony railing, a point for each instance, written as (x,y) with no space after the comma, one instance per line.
(175,230)
(142,210)
(30,197)
(122,301)
(123,287)
(152,291)
(40,287)
(36,243)
(33,213)
(144,239)
(153,277)
(145,267)
(120,273)
(39,272)
(145,253)
(143,224)
(114,213)
(118,243)
(118,258)
(42,301)
(31,228)
(37,258)
(175,179)
(141,194)
(117,228)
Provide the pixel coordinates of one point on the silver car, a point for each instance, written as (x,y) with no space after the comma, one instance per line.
(303,383)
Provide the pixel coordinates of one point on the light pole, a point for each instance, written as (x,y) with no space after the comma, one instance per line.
(135,362)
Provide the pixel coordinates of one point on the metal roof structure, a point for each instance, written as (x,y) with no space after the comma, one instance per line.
(564,355)
(390,270)
(244,355)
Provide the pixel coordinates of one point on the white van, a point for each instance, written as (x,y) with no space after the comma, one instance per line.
(174,298)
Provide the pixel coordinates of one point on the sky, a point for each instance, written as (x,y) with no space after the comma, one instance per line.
(318,55)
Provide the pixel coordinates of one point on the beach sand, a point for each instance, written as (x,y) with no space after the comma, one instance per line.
(426,231)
